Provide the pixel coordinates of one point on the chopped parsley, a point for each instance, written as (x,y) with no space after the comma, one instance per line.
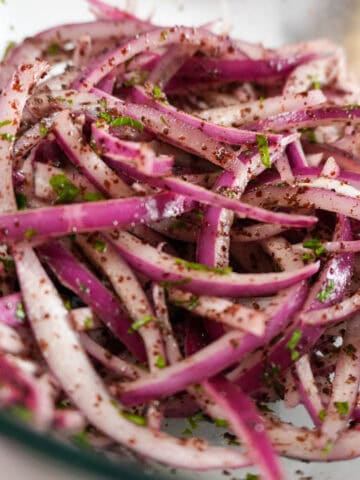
(7,137)
(252,476)
(353,106)
(188,304)
(187,431)
(30,233)
(92,196)
(221,422)
(53,49)
(316,246)
(43,130)
(309,133)
(21,200)
(200,266)
(140,323)
(157,92)
(350,350)
(307,256)
(264,408)
(81,439)
(316,83)
(68,305)
(3,123)
(21,412)
(293,343)
(106,116)
(342,407)
(231,439)
(20,312)
(322,415)
(174,283)
(134,418)
(8,263)
(263,146)
(8,48)
(195,419)
(124,121)
(164,121)
(66,191)
(99,245)
(324,294)
(88,323)
(328,447)
(164,34)
(160,362)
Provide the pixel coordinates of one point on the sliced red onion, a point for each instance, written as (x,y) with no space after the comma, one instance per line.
(221,310)
(86,160)
(128,288)
(10,341)
(245,421)
(165,268)
(260,109)
(111,362)
(12,103)
(345,386)
(308,390)
(203,195)
(81,281)
(140,155)
(91,216)
(90,395)
(204,40)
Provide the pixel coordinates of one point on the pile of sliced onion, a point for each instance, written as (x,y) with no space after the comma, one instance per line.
(179,235)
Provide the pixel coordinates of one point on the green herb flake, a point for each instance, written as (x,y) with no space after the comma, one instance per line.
(264,408)
(127,121)
(324,294)
(30,233)
(103,103)
(157,93)
(7,137)
(53,49)
(10,45)
(261,101)
(99,245)
(160,362)
(353,106)
(22,413)
(140,323)
(322,415)
(70,101)
(263,146)
(3,123)
(316,83)
(66,191)
(201,267)
(88,323)
(188,304)
(68,305)
(309,134)
(316,246)
(43,130)
(293,343)
(195,419)
(164,34)
(174,283)
(21,200)
(20,312)
(81,439)
(186,432)
(231,439)
(164,121)
(342,407)
(307,256)
(252,476)
(92,197)
(328,447)
(221,422)
(106,116)
(134,418)
(350,350)
(8,263)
